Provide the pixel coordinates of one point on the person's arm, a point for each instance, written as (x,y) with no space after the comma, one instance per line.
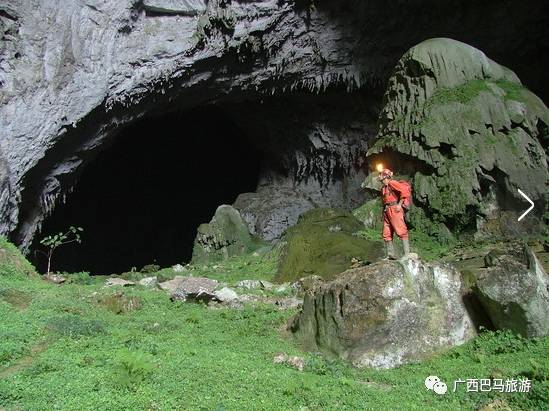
(396,186)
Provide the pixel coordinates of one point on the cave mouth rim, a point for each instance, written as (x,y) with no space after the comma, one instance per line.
(233,136)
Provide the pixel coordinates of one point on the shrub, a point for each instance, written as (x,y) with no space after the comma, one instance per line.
(166,274)
(150,268)
(132,368)
(82,278)
(132,275)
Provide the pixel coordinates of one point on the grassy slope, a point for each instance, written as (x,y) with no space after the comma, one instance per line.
(60,349)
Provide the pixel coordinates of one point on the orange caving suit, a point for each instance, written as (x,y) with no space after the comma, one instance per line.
(393,214)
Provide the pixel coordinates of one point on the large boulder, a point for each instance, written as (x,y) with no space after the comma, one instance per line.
(513,290)
(322,243)
(370,214)
(469,134)
(197,289)
(173,284)
(386,314)
(224,236)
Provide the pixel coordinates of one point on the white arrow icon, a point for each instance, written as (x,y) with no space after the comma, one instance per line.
(531,205)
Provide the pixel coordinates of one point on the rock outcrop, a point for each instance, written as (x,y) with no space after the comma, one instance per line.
(196,289)
(469,133)
(514,291)
(386,314)
(224,236)
(323,243)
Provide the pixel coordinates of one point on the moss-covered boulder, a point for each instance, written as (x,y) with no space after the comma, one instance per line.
(514,291)
(12,262)
(468,133)
(370,214)
(224,236)
(322,243)
(386,314)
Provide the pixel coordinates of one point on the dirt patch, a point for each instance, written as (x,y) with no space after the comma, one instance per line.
(19,300)
(25,361)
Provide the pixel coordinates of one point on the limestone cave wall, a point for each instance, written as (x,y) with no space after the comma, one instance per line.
(305,78)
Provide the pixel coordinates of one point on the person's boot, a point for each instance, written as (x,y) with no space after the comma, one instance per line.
(389,250)
(406,246)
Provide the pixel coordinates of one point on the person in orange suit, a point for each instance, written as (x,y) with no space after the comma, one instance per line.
(394,194)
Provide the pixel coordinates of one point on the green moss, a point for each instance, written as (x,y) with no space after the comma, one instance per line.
(17,299)
(120,303)
(225,236)
(460,94)
(12,262)
(322,243)
(513,91)
(370,214)
(196,358)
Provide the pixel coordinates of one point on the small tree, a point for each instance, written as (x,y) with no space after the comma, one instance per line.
(52,242)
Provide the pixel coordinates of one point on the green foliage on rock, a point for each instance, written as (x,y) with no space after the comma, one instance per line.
(120,303)
(224,236)
(322,243)
(12,262)
(370,214)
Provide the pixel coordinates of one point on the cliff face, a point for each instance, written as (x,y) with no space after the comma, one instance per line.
(72,73)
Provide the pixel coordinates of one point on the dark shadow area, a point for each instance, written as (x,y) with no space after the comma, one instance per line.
(477,313)
(141,200)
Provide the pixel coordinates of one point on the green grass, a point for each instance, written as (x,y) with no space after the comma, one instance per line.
(513,91)
(63,349)
(460,94)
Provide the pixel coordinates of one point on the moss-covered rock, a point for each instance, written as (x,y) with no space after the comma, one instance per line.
(385,314)
(12,262)
(370,214)
(224,236)
(322,243)
(469,135)
(513,290)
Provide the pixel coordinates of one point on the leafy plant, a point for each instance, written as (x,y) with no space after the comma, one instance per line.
(52,242)
(133,367)
(150,268)
(82,277)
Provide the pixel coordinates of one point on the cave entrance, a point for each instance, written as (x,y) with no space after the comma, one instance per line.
(141,200)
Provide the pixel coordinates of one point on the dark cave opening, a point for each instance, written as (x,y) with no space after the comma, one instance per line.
(141,200)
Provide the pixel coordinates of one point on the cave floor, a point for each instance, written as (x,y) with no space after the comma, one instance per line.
(174,355)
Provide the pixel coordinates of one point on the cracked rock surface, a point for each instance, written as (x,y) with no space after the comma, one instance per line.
(386,314)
